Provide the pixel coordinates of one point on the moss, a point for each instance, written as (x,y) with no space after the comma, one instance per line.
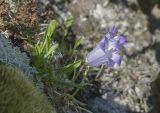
(18,95)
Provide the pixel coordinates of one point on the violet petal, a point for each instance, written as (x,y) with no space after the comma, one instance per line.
(116,58)
(96,57)
(101,44)
(112,30)
(110,63)
(106,51)
(121,40)
(112,44)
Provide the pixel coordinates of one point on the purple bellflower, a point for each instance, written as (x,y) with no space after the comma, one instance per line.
(106,51)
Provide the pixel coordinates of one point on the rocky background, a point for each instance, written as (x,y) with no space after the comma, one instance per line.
(134,86)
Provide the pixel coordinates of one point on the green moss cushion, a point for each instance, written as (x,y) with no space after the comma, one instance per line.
(18,95)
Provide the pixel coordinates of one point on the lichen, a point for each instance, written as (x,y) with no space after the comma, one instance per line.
(13,56)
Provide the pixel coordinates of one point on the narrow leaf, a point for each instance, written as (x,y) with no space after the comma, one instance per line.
(78,42)
(70,68)
(69,21)
(51,50)
(48,33)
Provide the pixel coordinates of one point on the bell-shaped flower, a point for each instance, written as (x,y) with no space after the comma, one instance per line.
(106,51)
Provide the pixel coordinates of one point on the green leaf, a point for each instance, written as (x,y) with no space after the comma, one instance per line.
(69,21)
(51,50)
(70,67)
(68,24)
(37,55)
(47,36)
(37,50)
(70,83)
(78,42)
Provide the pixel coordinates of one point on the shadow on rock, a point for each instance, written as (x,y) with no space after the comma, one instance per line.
(155,47)
(95,102)
(158,53)
(156,95)
(149,7)
(152,9)
(99,105)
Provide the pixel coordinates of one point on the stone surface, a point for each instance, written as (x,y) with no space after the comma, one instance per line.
(99,15)
(130,84)
(99,105)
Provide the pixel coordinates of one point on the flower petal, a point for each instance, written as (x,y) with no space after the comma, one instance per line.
(106,50)
(101,44)
(122,40)
(116,58)
(115,42)
(112,30)
(112,44)
(110,63)
(104,42)
(96,57)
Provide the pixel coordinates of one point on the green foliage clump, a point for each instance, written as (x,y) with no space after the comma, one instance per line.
(64,77)
(18,95)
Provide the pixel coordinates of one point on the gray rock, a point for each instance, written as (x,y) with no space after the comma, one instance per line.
(130,84)
(98,105)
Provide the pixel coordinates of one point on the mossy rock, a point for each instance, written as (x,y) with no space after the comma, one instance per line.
(18,95)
